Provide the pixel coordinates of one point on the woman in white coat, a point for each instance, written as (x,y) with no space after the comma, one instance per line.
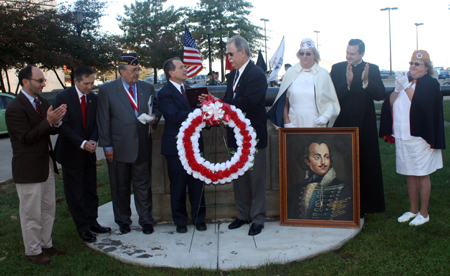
(307,97)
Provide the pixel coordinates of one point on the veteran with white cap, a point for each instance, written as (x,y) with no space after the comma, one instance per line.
(306,97)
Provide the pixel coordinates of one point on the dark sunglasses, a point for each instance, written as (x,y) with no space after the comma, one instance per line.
(415,63)
(303,53)
(231,54)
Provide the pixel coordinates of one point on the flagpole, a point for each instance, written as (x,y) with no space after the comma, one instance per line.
(276,54)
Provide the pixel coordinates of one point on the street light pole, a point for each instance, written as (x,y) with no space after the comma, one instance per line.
(78,19)
(417,34)
(209,31)
(265,36)
(317,39)
(390,45)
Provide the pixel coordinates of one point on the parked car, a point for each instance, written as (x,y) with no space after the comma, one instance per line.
(444,74)
(385,74)
(149,80)
(162,80)
(5,98)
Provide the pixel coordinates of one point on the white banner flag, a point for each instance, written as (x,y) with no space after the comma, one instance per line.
(276,62)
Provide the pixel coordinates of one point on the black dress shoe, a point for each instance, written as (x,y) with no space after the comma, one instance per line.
(125,228)
(99,229)
(88,236)
(147,229)
(255,229)
(237,223)
(201,226)
(181,229)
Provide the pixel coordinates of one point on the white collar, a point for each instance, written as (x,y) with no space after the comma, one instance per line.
(241,70)
(177,85)
(79,93)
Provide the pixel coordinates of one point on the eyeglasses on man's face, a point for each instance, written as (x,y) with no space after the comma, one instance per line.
(39,80)
(135,70)
(231,53)
(303,53)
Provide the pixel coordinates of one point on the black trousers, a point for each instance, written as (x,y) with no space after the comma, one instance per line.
(179,180)
(80,189)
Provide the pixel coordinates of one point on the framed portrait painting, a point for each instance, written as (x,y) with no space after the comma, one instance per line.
(319,177)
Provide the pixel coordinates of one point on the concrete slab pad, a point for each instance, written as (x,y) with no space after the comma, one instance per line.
(218,247)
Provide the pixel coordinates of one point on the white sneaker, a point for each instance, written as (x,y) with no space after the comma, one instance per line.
(419,220)
(407,216)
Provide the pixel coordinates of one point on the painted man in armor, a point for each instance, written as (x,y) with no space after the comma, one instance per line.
(320,196)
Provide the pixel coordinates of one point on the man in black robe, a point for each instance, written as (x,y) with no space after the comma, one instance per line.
(358,84)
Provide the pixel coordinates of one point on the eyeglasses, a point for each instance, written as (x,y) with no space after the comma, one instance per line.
(415,63)
(135,70)
(231,54)
(39,80)
(303,53)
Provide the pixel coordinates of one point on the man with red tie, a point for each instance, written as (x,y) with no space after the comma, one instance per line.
(30,121)
(75,151)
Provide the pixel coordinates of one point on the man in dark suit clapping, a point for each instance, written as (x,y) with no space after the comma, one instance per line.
(175,107)
(75,151)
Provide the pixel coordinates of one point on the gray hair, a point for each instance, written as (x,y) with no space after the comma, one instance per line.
(122,67)
(240,43)
(430,66)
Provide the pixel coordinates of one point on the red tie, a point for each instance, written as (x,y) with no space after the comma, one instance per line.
(38,108)
(183,92)
(83,110)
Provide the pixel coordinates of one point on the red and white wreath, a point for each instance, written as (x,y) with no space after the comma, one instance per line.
(214,112)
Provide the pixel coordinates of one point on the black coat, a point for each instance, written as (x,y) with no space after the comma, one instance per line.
(251,99)
(358,110)
(72,135)
(426,114)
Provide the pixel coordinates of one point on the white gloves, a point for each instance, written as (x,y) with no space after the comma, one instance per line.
(144,118)
(322,120)
(401,82)
(290,125)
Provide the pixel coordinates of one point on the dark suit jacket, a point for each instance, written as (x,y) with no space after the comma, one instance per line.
(175,110)
(117,124)
(30,140)
(67,148)
(251,99)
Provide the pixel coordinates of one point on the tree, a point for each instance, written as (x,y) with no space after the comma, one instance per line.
(227,18)
(93,48)
(153,33)
(24,27)
(32,33)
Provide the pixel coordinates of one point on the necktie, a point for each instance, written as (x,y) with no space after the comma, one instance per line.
(84,110)
(38,108)
(184,94)
(234,82)
(133,100)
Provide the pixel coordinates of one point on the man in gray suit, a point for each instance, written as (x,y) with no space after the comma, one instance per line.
(124,120)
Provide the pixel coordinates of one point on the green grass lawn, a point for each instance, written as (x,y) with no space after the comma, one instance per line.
(384,246)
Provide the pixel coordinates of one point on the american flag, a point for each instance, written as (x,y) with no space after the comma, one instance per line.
(192,59)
